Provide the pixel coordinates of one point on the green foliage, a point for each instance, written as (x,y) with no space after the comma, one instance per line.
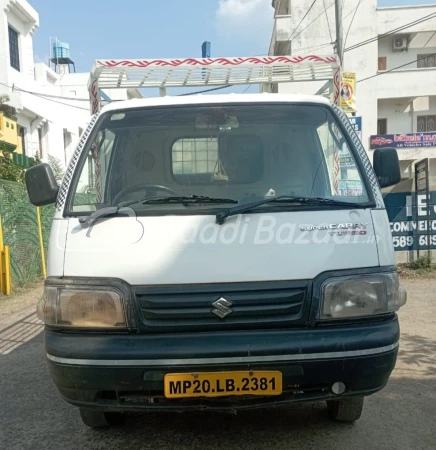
(9,170)
(7,109)
(56,165)
(423,262)
(36,159)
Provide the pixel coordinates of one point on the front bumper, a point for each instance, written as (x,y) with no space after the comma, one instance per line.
(125,372)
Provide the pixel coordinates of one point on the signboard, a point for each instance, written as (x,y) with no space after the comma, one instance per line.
(348,92)
(412,220)
(410,140)
(422,186)
(345,158)
(421,175)
(351,188)
(356,123)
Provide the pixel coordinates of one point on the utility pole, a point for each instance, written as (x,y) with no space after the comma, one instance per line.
(339,31)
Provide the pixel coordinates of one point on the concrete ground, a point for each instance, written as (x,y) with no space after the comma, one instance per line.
(401,416)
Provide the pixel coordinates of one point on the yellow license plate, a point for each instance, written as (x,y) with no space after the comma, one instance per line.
(220,384)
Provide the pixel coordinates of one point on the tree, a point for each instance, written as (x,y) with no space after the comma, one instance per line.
(9,170)
(8,110)
(54,163)
(56,166)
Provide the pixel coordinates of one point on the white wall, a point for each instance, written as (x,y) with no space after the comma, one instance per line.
(25,43)
(395,59)
(394,17)
(402,113)
(398,113)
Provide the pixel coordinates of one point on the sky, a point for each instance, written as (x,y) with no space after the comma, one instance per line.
(133,29)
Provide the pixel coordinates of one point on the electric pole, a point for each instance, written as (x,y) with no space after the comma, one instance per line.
(339,31)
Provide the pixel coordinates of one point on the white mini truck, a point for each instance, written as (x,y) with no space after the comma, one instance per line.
(220,252)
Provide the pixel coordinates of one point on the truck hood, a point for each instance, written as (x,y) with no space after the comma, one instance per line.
(194,249)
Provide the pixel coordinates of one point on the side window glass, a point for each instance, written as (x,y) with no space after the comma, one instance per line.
(91,186)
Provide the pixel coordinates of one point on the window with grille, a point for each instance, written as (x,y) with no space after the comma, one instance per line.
(426,124)
(14,50)
(426,61)
(194,156)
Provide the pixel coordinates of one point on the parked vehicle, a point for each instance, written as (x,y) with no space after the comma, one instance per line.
(216,263)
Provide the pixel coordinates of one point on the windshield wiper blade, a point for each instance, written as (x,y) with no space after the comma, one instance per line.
(222,215)
(86,221)
(187,199)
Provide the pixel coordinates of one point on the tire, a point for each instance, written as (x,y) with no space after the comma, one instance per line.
(345,410)
(98,419)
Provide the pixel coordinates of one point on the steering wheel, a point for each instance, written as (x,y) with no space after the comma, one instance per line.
(150,190)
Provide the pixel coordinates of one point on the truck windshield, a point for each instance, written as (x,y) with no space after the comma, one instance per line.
(240,153)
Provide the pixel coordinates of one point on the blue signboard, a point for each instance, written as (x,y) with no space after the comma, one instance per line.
(356,123)
(410,140)
(409,220)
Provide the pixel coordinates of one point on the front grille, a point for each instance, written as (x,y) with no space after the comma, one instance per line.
(251,305)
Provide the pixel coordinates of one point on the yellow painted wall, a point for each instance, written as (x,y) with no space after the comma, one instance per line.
(9,132)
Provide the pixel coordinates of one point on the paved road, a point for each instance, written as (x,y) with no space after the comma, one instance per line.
(402,416)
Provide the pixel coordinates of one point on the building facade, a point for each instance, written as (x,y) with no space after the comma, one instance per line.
(49,120)
(392,52)
(395,73)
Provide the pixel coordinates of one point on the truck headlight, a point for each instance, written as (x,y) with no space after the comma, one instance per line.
(362,295)
(82,307)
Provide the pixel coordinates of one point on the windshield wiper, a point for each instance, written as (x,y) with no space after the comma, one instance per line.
(86,221)
(186,199)
(222,215)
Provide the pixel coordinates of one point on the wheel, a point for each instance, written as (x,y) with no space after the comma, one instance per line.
(98,419)
(346,409)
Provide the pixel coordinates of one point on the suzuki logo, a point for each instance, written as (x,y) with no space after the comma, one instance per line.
(222,308)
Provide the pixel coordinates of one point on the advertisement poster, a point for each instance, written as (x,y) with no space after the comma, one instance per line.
(350,188)
(346,160)
(410,140)
(348,92)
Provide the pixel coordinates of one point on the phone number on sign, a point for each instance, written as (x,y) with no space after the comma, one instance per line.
(408,241)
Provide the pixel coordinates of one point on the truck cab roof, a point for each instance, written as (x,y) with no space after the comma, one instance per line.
(199,99)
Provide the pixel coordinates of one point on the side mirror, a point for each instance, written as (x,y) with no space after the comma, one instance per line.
(41,184)
(387,166)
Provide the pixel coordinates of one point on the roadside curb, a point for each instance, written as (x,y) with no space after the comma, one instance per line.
(11,319)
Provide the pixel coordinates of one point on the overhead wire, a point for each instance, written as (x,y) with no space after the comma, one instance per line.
(351,23)
(317,17)
(328,21)
(13,88)
(50,97)
(354,12)
(396,30)
(314,20)
(378,74)
(301,21)
(41,94)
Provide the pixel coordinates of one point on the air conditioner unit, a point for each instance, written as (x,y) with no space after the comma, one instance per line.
(400,44)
